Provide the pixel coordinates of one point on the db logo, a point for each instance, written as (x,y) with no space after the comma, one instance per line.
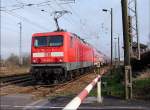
(47,54)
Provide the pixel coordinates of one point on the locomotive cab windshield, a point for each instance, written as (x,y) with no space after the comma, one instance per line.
(46,41)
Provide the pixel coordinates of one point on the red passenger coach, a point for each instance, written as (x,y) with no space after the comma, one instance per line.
(57,56)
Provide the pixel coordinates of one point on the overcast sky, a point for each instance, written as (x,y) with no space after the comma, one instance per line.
(87,20)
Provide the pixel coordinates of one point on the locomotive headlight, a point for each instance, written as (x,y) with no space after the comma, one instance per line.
(34,61)
(38,60)
(60,59)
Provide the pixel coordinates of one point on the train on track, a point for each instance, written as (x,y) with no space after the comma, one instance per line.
(60,56)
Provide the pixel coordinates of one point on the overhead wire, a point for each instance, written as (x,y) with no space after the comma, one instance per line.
(69,7)
(74,20)
(61,7)
(77,15)
(64,17)
(22,5)
(82,23)
(25,20)
(46,3)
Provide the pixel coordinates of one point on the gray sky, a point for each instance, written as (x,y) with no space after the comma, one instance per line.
(87,20)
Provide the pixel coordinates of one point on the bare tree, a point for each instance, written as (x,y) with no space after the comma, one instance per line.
(13,60)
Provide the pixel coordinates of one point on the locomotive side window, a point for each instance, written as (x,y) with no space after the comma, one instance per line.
(40,41)
(71,41)
(36,43)
(55,41)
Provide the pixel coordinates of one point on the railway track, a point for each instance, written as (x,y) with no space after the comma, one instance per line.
(27,78)
(38,90)
(62,84)
(17,79)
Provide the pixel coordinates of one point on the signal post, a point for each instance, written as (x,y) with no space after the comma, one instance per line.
(127,66)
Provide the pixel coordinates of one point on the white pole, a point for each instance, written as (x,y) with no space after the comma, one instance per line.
(20,45)
(99,95)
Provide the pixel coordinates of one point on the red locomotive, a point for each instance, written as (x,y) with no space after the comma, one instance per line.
(57,56)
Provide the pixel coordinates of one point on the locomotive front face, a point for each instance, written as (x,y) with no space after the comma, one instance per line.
(47,49)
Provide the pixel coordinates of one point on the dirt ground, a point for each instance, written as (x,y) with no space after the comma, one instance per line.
(41,92)
(145,74)
(15,70)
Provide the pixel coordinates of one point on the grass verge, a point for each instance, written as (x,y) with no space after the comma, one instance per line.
(141,89)
(111,84)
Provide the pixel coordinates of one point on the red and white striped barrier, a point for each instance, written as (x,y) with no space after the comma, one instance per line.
(74,104)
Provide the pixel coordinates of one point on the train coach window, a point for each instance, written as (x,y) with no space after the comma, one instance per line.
(55,41)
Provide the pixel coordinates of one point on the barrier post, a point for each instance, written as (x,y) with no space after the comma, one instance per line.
(99,95)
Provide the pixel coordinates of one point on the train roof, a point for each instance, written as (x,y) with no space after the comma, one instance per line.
(61,32)
(47,33)
(64,32)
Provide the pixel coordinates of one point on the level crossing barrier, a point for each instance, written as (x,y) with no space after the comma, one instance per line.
(75,103)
